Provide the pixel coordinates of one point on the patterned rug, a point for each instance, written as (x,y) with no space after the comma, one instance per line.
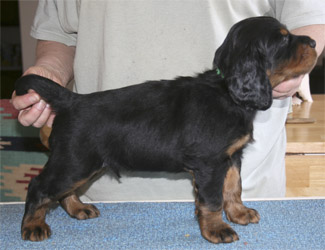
(22,155)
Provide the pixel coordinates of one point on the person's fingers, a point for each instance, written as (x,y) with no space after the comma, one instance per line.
(30,115)
(42,119)
(25,101)
(287,88)
(49,122)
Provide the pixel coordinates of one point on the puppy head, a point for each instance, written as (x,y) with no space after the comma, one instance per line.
(258,54)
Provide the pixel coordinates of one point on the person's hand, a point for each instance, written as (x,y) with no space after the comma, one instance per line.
(287,88)
(32,109)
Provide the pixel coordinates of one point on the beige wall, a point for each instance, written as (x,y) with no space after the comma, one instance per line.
(27,10)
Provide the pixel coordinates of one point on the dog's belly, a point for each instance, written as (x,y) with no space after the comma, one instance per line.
(154,165)
(145,157)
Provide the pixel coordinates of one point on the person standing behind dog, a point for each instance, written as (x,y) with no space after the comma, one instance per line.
(111,44)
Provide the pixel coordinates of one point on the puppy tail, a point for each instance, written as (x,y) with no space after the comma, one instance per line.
(57,96)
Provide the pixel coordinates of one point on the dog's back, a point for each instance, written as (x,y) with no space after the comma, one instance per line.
(158,125)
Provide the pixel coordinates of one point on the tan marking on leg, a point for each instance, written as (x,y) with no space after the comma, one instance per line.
(238,144)
(76,209)
(235,210)
(213,228)
(79,184)
(33,226)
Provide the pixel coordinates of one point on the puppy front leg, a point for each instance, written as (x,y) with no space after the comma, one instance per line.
(213,228)
(209,207)
(235,210)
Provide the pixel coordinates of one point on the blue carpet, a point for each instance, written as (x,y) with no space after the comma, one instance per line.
(297,224)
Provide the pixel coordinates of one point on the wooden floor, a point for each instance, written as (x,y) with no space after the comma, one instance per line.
(305,175)
(305,160)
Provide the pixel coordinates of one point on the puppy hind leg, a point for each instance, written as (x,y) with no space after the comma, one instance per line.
(76,209)
(33,226)
(53,184)
(71,203)
(234,208)
(195,191)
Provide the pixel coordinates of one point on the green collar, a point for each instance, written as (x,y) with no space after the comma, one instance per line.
(219,73)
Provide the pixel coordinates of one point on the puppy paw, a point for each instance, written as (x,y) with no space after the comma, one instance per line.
(85,212)
(76,209)
(221,233)
(242,215)
(35,232)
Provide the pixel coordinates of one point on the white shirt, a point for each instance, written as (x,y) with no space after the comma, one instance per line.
(125,42)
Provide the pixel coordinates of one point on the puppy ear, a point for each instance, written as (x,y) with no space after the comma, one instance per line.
(248,83)
(245,72)
(242,60)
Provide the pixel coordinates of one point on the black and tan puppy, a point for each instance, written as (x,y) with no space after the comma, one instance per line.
(198,124)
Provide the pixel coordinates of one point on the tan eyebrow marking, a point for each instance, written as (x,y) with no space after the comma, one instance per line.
(284,32)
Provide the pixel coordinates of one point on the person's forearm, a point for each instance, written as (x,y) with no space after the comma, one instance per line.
(316,32)
(56,57)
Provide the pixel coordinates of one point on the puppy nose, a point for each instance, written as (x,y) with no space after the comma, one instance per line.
(312,43)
